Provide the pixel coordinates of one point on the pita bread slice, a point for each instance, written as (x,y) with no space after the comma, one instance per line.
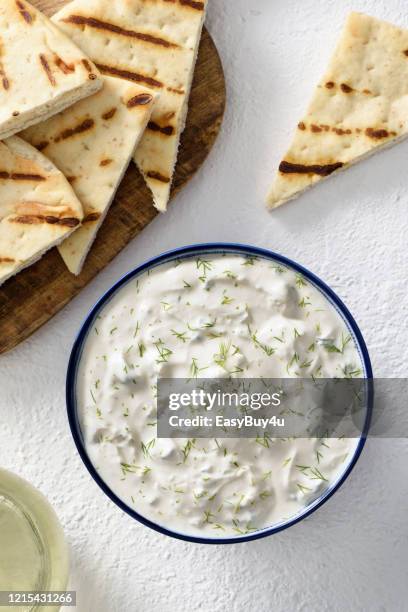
(92,143)
(38,207)
(41,70)
(154,43)
(360,107)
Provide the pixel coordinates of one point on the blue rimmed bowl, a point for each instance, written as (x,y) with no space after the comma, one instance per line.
(199,250)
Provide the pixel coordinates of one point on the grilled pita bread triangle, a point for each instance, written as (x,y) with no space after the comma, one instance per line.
(41,70)
(154,44)
(38,208)
(360,107)
(92,143)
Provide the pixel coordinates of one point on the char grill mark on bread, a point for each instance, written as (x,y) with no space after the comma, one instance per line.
(139,100)
(198,6)
(347,89)
(24,12)
(322,170)
(89,68)
(379,134)
(91,22)
(84,126)
(19,176)
(129,75)
(166,130)
(92,218)
(370,132)
(109,114)
(37,219)
(4,78)
(47,69)
(5,81)
(65,68)
(156,176)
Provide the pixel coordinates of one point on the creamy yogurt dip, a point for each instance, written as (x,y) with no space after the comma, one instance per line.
(210,316)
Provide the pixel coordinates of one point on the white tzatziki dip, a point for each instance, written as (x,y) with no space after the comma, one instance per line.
(211,316)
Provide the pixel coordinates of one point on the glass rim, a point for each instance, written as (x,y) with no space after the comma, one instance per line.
(39,515)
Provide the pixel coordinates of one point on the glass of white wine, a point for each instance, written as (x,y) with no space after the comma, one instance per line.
(33,551)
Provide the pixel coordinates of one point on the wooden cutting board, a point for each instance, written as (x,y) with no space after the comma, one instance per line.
(30,299)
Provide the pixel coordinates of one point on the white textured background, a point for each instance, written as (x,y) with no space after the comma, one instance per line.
(352,554)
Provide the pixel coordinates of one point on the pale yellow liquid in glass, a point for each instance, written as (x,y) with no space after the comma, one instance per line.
(33,552)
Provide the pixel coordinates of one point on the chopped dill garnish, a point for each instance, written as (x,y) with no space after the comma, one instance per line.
(226,299)
(264,441)
(317,475)
(187,448)
(250,260)
(300,281)
(303,468)
(295,359)
(208,516)
(303,489)
(128,469)
(164,352)
(203,266)
(210,324)
(349,372)
(237,507)
(332,348)
(195,369)
(146,448)
(219,526)
(180,335)
(137,329)
(221,357)
(242,531)
(278,269)
(200,495)
(268,350)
